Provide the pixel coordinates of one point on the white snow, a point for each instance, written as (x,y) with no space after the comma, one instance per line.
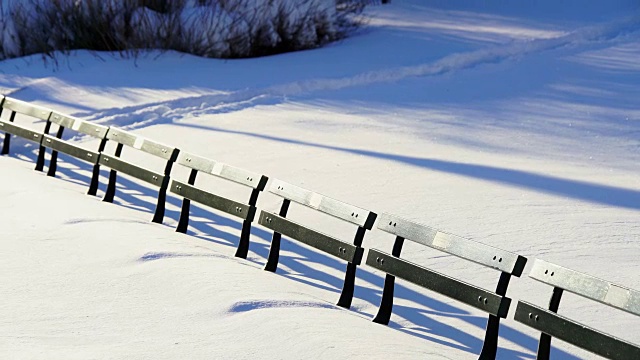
(514,125)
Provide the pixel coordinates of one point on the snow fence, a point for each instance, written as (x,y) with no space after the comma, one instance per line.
(493,302)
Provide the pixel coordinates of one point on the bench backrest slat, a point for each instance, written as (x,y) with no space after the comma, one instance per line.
(20,131)
(241,210)
(216,168)
(26,108)
(124,137)
(477,252)
(138,172)
(573,332)
(587,286)
(70,149)
(469,294)
(327,205)
(79,125)
(138,142)
(316,239)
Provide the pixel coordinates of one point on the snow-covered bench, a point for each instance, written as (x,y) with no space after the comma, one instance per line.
(57,144)
(551,324)
(151,147)
(245,211)
(328,244)
(10,128)
(496,304)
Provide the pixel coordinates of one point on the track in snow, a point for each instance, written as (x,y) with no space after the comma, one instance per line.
(133,117)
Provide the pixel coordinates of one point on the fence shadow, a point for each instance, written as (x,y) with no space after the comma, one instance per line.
(575,189)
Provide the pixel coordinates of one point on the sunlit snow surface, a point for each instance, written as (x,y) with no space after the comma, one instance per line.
(514,125)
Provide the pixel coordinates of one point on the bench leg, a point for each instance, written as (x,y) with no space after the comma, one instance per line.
(6,144)
(346,296)
(43,150)
(93,186)
(53,162)
(40,161)
(243,246)
(274,250)
(95,178)
(158,215)
(113,176)
(386,303)
(274,253)
(111,187)
(183,223)
(544,346)
(490,345)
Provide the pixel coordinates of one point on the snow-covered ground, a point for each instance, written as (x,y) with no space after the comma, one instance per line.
(514,125)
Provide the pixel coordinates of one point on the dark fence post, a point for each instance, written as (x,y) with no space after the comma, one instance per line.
(386,303)
(544,346)
(274,250)
(42,150)
(346,296)
(53,162)
(7,137)
(95,178)
(490,345)
(183,223)
(158,216)
(113,175)
(243,245)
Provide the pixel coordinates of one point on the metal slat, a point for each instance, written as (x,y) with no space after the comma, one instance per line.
(159,150)
(79,125)
(20,131)
(91,129)
(195,162)
(216,168)
(243,211)
(25,108)
(320,241)
(137,172)
(240,176)
(477,252)
(70,149)
(469,294)
(586,285)
(62,120)
(142,144)
(327,205)
(121,136)
(577,334)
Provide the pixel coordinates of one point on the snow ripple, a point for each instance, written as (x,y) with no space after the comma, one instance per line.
(152,256)
(93,220)
(245,306)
